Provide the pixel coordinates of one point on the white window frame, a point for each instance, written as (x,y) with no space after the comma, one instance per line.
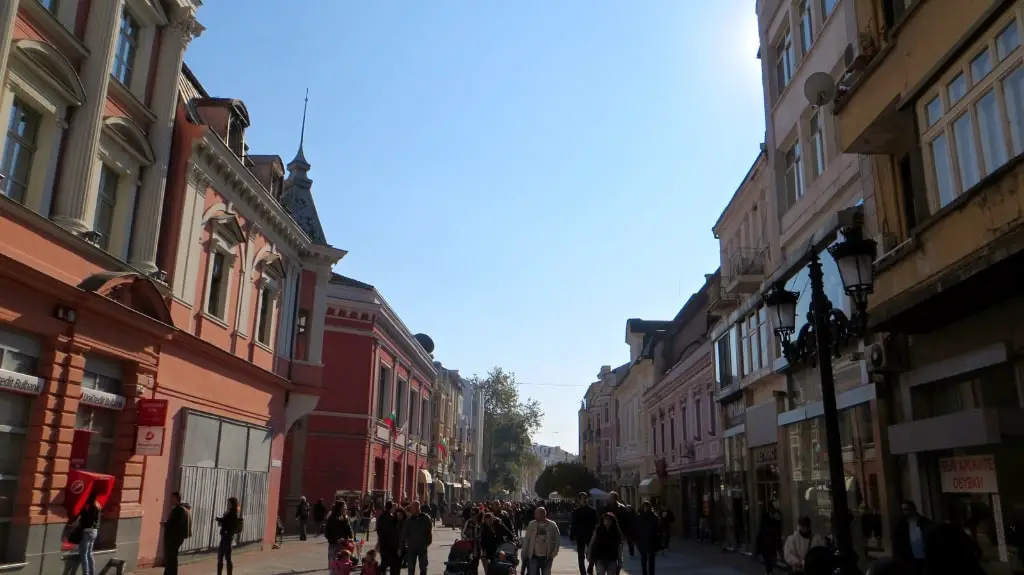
(796,170)
(976,89)
(805,23)
(816,136)
(149,17)
(753,343)
(51,103)
(115,154)
(827,8)
(784,59)
(219,244)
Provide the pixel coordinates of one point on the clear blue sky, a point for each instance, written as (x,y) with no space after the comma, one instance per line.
(517,177)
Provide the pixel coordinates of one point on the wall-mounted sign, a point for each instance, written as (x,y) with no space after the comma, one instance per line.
(149,440)
(97,398)
(152,412)
(20,383)
(766,454)
(275,463)
(969,474)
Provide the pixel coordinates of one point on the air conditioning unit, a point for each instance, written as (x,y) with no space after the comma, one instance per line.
(889,354)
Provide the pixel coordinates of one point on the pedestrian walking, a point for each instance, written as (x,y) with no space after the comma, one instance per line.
(769,535)
(320,515)
(581,531)
(799,544)
(540,545)
(230,525)
(88,526)
(909,537)
(302,516)
(604,550)
(177,528)
(387,541)
(337,529)
(648,537)
(416,536)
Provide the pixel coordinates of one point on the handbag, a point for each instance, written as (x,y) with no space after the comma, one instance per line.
(74,531)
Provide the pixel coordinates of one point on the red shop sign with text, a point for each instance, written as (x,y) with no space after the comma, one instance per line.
(152,412)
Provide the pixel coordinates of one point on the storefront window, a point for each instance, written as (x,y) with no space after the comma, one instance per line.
(18,356)
(811,494)
(735,482)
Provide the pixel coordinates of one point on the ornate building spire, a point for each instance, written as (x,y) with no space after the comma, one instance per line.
(297,196)
(299,164)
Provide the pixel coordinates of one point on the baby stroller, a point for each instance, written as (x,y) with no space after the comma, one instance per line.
(506,560)
(461,558)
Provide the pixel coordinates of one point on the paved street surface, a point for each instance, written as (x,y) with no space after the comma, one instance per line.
(310,557)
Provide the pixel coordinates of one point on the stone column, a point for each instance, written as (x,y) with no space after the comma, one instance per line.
(174,39)
(72,206)
(8,14)
(316,334)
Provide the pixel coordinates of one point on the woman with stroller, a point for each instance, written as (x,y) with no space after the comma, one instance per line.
(493,533)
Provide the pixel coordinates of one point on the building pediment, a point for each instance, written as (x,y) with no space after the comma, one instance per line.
(131,290)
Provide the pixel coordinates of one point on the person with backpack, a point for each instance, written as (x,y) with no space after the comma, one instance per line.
(177,529)
(230,525)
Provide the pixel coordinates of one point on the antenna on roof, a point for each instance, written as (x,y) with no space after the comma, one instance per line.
(305,106)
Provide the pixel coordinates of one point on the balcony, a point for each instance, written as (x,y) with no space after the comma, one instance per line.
(721,303)
(896,59)
(743,271)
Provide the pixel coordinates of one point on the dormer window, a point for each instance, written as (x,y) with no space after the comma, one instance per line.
(276,185)
(236,137)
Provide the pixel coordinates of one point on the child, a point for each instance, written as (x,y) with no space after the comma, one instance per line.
(342,565)
(370,563)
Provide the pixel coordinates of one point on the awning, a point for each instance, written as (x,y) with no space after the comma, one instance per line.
(425,476)
(649,486)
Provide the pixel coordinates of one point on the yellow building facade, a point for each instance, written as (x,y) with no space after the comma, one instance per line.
(934,94)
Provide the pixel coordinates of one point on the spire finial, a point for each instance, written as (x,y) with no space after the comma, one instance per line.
(300,157)
(305,106)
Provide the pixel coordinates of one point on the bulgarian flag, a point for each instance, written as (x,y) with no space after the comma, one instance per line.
(442,446)
(390,421)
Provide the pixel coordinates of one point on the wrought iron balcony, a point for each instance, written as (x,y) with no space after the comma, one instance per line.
(743,271)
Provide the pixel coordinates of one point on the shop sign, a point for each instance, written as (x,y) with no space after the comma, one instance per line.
(20,383)
(149,440)
(968,474)
(766,454)
(152,412)
(97,398)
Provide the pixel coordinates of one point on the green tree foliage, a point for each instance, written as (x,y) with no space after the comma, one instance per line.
(509,423)
(567,479)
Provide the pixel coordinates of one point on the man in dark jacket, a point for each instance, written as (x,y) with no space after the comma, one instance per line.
(177,528)
(302,516)
(387,540)
(416,536)
(624,517)
(908,538)
(319,515)
(581,529)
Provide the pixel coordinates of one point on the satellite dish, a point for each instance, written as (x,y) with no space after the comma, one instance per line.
(820,89)
(425,342)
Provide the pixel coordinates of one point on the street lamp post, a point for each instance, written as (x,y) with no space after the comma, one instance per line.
(854,256)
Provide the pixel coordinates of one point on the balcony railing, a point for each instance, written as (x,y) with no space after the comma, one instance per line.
(743,271)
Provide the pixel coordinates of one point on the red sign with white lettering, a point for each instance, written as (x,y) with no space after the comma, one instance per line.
(152,412)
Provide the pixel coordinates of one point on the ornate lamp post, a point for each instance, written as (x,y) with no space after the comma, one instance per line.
(818,342)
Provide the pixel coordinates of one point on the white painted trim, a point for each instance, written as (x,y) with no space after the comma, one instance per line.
(851,398)
(967,362)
